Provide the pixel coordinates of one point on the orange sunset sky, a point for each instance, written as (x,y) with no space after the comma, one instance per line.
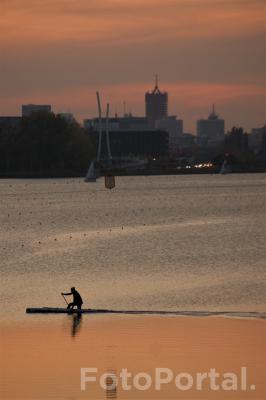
(205,51)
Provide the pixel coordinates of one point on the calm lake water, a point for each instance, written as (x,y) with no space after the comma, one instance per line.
(153,243)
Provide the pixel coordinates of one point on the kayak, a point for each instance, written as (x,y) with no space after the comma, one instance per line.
(55,310)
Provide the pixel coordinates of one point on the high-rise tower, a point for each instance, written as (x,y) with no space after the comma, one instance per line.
(211,128)
(156,104)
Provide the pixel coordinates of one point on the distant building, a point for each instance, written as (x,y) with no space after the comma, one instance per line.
(92,124)
(211,129)
(156,103)
(122,123)
(131,122)
(173,126)
(28,109)
(9,122)
(255,138)
(185,140)
(67,117)
(148,143)
(130,136)
(183,146)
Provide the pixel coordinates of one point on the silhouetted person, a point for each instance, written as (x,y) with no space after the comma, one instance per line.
(77,300)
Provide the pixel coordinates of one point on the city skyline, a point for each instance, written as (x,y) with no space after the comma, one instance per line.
(204,51)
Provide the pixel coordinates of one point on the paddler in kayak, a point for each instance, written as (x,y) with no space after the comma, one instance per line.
(77,300)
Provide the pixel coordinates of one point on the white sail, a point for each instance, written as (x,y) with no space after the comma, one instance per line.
(226,168)
(92,173)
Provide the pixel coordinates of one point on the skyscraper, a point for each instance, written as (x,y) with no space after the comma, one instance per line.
(211,128)
(156,104)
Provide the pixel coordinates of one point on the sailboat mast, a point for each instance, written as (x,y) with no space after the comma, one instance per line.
(107,132)
(100,126)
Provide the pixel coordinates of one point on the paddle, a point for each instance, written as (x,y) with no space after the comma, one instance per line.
(64,298)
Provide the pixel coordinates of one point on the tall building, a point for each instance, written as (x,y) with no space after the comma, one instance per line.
(28,109)
(255,138)
(211,129)
(156,105)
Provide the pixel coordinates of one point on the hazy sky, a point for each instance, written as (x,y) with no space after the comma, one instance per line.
(205,51)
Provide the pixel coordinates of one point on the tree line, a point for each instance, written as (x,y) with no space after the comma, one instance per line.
(45,144)
(236,149)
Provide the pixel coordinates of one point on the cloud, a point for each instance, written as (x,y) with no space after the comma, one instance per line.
(58,51)
(227,61)
(127,21)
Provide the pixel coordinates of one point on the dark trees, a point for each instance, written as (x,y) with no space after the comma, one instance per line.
(45,144)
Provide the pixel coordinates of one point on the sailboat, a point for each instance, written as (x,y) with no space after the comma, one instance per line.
(93,173)
(225,168)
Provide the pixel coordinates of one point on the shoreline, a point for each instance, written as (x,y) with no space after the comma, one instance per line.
(145,172)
